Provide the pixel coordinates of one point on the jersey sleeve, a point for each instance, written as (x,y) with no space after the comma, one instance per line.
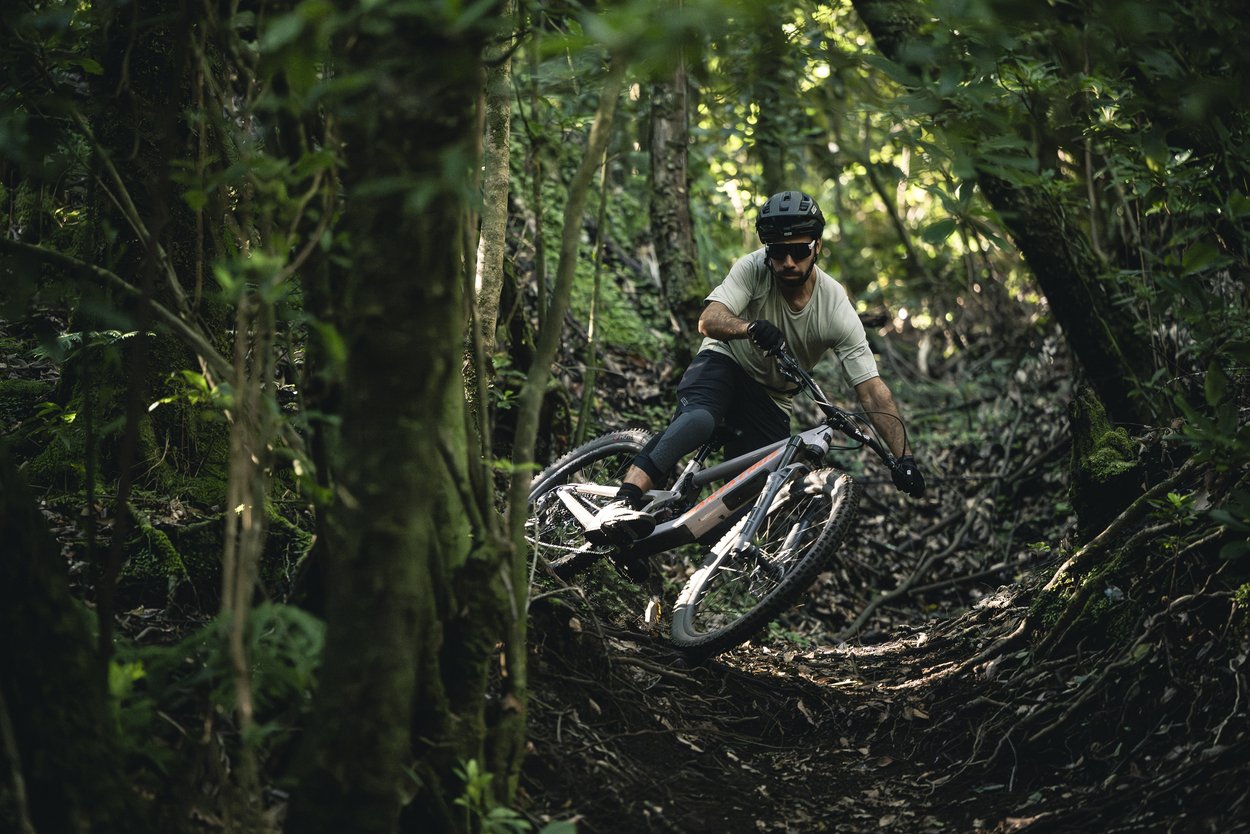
(739,286)
(852,349)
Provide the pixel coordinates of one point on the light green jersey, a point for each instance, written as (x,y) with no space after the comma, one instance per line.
(827,322)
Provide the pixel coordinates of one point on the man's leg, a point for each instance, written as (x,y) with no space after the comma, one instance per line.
(704,393)
(756,421)
(689,430)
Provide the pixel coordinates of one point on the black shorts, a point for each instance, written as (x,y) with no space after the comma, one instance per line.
(716,383)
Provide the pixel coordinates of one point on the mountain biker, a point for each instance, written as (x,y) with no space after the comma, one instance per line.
(771,296)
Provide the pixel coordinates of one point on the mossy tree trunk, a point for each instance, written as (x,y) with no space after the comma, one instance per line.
(495,180)
(415,605)
(671,225)
(58,726)
(1106,475)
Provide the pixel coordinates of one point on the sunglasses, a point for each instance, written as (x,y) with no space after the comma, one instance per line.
(796,251)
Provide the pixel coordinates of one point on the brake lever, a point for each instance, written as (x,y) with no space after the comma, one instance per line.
(785,364)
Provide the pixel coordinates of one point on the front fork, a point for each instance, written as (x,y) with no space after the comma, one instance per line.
(737,542)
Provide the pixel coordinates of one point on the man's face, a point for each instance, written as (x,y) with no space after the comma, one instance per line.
(792,259)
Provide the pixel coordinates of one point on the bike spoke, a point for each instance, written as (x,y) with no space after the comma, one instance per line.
(729,599)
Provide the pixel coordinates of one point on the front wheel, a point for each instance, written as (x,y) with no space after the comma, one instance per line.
(728,599)
(597,468)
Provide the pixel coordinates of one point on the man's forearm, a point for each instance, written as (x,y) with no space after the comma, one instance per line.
(717,322)
(878,402)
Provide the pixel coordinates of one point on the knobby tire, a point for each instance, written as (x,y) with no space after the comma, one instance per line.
(725,602)
(554,535)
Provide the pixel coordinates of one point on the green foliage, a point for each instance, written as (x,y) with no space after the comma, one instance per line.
(67,346)
(203,401)
(22,398)
(1235,517)
(485,816)
(157,688)
(620,318)
(1241,602)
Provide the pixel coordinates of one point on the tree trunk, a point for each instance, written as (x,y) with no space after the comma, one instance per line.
(495,180)
(1057,249)
(671,226)
(773,125)
(532,395)
(405,663)
(1081,294)
(58,727)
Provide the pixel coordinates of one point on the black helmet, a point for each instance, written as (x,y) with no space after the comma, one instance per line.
(789,214)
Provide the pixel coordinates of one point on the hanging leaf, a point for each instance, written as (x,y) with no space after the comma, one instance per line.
(937,233)
(1215,385)
(1201,257)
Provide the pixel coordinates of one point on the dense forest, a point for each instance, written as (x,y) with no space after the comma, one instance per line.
(297,298)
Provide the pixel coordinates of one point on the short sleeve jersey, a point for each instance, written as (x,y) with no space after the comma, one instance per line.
(827,322)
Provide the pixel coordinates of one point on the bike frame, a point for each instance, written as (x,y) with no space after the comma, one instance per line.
(753,482)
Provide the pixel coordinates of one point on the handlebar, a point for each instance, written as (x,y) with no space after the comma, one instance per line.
(844,422)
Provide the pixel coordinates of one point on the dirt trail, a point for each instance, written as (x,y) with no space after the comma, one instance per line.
(825,739)
(909,735)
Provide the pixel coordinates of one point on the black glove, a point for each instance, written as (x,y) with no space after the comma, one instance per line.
(766,335)
(907,476)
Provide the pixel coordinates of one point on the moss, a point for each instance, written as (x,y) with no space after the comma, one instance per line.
(1111,456)
(285,548)
(153,554)
(1105,468)
(1047,606)
(190,555)
(60,464)
(1100,451)
(1112,620)
(207,488)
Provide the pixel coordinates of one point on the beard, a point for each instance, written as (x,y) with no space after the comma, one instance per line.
(792,278)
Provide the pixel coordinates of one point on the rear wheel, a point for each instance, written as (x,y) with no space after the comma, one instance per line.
(552,531)
(728,599)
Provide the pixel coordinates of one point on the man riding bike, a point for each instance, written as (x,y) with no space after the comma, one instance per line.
(771,296)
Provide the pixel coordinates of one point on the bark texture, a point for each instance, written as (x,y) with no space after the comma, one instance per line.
(495,178)
(403,677)
(671,225)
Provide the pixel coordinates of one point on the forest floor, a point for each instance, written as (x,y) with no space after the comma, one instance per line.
(908,734)
(903,695)
(824,739)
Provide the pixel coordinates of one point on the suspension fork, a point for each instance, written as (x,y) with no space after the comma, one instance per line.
(738,540)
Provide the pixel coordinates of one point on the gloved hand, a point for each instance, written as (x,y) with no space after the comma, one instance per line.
(765,335)
(908,477)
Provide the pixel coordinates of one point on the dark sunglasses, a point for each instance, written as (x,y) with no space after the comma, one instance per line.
(797,251)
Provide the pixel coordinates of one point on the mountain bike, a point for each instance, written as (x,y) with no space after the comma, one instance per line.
(771,524)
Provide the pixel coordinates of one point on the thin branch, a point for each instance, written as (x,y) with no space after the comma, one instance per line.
(123,201)
(194,338)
